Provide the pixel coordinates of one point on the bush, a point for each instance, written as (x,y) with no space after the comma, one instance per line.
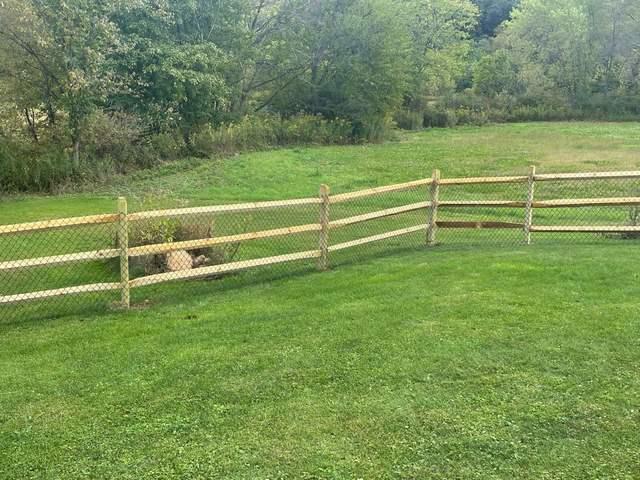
(111,144)
(634,221)
(172,230)
(409,119)
(268,131)
(438,117)
(167,146)
(467,108)
(25,167)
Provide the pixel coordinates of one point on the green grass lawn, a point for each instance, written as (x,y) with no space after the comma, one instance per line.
(479,358)
(518,363)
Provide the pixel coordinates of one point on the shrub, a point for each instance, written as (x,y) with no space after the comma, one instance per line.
(374,129)
(634,221)
(172,230)
(167,146)
(115,143)
(268,131)
(25,167)
(409,119)
(438,117)
(468,116)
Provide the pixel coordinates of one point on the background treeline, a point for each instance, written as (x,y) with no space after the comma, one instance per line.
(91,88)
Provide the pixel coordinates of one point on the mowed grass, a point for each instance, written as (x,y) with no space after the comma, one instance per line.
(518,363)
(467,360)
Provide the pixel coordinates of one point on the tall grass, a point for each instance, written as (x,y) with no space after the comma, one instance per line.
(469,109)
(117,144)
(268,131)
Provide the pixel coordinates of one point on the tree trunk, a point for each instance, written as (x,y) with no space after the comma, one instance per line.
(76,154)
(51,114)
(31,123)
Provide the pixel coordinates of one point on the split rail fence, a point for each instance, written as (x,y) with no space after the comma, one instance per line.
(123,252)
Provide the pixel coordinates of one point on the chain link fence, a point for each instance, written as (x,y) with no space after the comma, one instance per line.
(88,264)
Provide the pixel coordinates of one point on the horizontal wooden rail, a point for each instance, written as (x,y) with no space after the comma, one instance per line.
(58,292)
(231,208)
(58,223)
(223,268)
(479,180)
(586,176)
(478,225)
(571,202)
(209,242)
(587,202)
(375,238)
(586,229)
(60,259)
(379,214)
(343,197)
(483,203)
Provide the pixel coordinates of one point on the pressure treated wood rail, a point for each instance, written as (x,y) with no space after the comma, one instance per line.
(431,205)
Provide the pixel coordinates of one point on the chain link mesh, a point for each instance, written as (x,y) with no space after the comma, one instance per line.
(206,244)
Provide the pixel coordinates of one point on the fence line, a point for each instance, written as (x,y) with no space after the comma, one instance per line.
(124,222)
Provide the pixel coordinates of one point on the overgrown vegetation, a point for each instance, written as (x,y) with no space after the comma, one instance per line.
(152,232)
(89,89)
(117,144)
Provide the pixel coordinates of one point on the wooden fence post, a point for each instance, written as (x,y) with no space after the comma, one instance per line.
(123,246)
(528,213)
(433,209)
(323,239)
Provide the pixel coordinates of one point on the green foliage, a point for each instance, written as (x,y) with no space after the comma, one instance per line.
(151,232)
(496,74)
(355,57)
(24,167)
(440,32)
(262,132)
(568,53)
(407,119)
(118,86)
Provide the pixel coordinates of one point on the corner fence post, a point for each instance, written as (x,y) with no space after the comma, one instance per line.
(432,216)
(123,246)
(528,213)
(323,238)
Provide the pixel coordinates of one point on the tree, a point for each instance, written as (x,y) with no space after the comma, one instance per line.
(554,36)
(57,52)
(496,74)
(441,41)
(176,61)
(348,59)
(578,49)
(30,64)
